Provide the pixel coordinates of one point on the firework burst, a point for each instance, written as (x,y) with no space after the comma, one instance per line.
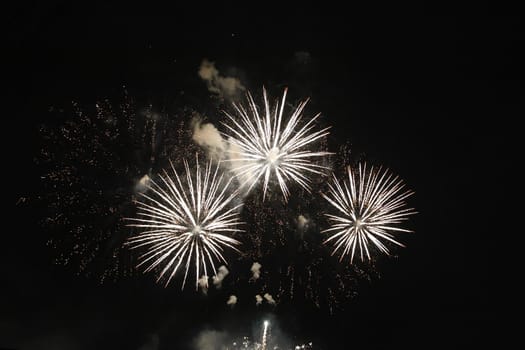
(369,205)
(266,146)
(185,221)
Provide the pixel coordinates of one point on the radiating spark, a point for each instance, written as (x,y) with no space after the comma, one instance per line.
(370,205)
(267,146)
(186,221)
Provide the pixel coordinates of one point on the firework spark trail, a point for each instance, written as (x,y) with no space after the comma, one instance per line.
(265,334)
(269,147)
(186,221)
(370,205)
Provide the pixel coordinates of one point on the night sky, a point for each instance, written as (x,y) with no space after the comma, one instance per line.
(410,92)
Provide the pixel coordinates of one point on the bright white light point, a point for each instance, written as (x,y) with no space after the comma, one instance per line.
(273,155)
(196,230)
(266,323)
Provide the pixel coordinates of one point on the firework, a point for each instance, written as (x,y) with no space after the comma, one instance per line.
(186,222)
(369,205)
(267,146)
(264,336)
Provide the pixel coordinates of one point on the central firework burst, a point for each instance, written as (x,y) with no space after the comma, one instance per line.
(186,221)
(266,146)
(370,204)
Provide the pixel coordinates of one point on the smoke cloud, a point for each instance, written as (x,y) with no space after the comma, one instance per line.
(258,299)
(232,300)
(256,270)
(302,222)
(225,87)
(142,184)
(206,135)
(269,299)
(152,343)
(246,179)
(209,340)
(203,284)
(222,272)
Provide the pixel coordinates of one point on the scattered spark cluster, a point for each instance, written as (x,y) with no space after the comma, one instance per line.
(369,205)
(265,145)
(98,165)
(92,159)
(187,222)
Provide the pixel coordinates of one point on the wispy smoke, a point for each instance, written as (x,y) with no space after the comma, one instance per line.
(232,300)
(302,222)
(256,270)
(226,87)
(222,272)
(142,184)
(207,136)
(209,340)
(238,165)
(203,284)
(152,343)
(269,299)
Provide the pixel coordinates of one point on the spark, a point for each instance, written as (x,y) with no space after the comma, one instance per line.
(264,336)
(186,221)
(265,145)
(370,205)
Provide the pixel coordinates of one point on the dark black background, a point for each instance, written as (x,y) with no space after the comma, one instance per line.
(417,93)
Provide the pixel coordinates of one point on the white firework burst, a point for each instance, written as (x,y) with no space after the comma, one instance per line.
(369,206)
(273,148)
(186,222)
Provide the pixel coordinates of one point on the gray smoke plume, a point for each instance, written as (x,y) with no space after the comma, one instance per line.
(256,270)
(222,272)
(269,299)
(203,284)
(232,300)
(302,222)
(209,340)
(207,136)
(225,87)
